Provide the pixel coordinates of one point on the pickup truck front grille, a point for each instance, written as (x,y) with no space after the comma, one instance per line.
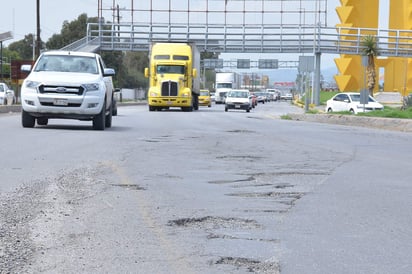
(48,104)
(169,88)
(47,89)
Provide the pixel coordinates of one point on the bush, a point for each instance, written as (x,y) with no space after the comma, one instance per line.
(407,102)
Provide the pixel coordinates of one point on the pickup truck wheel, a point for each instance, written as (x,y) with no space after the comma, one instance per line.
(42,121)
(27,120)
(114,108)
(108,120)
(99,120)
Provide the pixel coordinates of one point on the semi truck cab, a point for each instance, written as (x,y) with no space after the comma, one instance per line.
(174,81)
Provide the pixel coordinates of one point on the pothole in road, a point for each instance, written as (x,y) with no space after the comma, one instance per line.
(282,186)
(254,183)
(253,266)
(291,173)
(225,236)
(255,117)
(158,139)
(218,182)
(295,195)
(249,158)
(130,186)
(287,198)
(240,131)
(277,211)
(210,222)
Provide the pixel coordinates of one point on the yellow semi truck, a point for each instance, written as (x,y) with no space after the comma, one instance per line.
(173,75)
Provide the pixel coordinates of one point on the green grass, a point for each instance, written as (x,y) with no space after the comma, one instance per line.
(285,117)
(389,112)
(326,95)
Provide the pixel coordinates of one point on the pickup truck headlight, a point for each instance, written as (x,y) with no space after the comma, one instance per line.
(91,87)
(32,84)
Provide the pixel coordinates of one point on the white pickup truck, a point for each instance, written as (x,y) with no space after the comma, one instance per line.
(7,95)
(68,85)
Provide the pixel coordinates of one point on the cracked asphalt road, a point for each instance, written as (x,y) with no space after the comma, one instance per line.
(203,192)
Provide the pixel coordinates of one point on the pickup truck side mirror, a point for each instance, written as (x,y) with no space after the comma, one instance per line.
(25,68)
(108,72)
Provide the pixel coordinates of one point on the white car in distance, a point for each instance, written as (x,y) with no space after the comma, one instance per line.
(238,99)
(350,101)
(7,95)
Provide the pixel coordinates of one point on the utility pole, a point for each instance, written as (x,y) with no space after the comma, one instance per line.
(38,41)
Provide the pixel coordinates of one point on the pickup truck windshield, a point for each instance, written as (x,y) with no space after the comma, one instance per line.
(77,64)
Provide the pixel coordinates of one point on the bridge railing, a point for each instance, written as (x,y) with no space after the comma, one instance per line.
(252,38)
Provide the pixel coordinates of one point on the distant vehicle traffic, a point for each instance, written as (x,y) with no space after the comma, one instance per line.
(261,97)
(275,93)
(116,98)
(350,101)
(6,94)
(286,95)
(204,98)
(212,96)
(226,81)
(238,99)
(254,100)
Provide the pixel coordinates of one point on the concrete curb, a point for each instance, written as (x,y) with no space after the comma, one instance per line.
(8,109)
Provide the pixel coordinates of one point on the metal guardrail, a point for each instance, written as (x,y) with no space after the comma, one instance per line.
(246,39)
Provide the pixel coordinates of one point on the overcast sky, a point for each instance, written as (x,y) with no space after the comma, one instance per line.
(19,16)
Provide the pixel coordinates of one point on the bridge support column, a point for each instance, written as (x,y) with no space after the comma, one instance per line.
(398,71)
(316,88)
(355,14)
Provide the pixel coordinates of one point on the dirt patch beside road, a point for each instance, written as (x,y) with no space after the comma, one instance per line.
(404,125)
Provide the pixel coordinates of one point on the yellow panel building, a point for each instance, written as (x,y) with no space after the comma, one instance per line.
(398,71)
(354,14)
(364,14)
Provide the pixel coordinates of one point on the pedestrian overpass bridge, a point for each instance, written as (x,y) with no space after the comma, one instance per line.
(274,39)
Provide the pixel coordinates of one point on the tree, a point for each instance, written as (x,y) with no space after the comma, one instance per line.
(209,78)
(370,49)
(70,32)
(24,47)
(132,70)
